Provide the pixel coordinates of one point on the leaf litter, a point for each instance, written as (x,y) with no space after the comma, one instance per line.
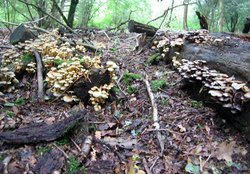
(196,139)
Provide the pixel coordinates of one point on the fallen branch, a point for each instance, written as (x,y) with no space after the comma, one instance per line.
(39,70)
(42,132)
(155,114)
(146,166)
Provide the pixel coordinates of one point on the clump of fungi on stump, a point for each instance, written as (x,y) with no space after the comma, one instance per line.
(64,66)
(225,90)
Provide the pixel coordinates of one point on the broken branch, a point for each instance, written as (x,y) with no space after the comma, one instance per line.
(155,114)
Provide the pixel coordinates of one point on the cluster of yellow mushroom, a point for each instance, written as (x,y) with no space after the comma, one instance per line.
(65,65)
(12,57)
(99,95)
(7,79)
(59,79)
(31,67)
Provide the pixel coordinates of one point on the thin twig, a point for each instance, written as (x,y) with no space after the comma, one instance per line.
(39,70)
(146,166)
(64,153)
(155,114)
(151,168)
(78,148)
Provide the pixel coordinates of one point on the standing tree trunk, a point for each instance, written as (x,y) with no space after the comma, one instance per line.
(221,15)
(72,10)
(171,13)
(185,3)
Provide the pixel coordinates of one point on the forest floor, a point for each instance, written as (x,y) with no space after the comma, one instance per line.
(196,139)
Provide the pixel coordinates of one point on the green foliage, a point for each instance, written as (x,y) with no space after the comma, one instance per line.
(154,58)
(20,101)
(196,104)
(74,166)
(165,101)
(63,141)
(157,84)
(9,113)
(132,89)
(127,77)
(27,58)
(42,150)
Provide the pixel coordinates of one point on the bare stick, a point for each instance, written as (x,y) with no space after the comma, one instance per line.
(146,166)
(64,153)
(39,70)
(155,114)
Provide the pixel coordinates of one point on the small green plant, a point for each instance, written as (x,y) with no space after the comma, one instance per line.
(129,77)
(9,113)
(154,58)
(27,58)
(165,101)
(157,84)
(63,141)
(196,104)
(42,150)
(115,90)
(74,166)
(132,89)
(20,101)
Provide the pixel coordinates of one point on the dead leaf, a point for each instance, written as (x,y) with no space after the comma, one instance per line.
(182,129)
(225,151)
(126,143)
(50,120)
(98,134)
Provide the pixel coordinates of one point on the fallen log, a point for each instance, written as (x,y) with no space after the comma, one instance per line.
(50,162)
(42,132)
(227,54)
(215,69)
(137,27)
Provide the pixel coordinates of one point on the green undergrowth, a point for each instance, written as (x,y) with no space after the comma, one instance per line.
(157,84)
(73,166)
(127,77)
(27,58)
(154,59)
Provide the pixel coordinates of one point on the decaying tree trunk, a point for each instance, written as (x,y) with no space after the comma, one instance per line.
(230,55)
(137,27)
(42,132)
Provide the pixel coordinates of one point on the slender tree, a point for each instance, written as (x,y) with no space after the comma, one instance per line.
(221,18)
(72,10)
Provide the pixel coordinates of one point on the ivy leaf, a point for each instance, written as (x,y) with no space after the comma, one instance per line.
(191,168)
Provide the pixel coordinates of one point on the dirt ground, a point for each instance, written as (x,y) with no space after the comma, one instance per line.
(195,138)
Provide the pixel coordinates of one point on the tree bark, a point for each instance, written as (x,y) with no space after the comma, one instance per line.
(42,132)
(72,10)
(185,25)
(221,19)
